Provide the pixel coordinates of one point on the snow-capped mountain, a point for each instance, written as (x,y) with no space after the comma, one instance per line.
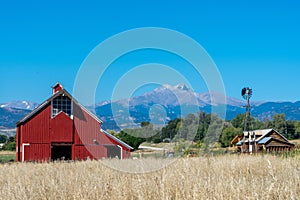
(174,101)
(9,116)
(167,95)
(27,105)
(159,106)
(180,94)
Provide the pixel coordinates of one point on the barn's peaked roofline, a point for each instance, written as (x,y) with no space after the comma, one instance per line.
(117,140)
(46,102)
(270,130)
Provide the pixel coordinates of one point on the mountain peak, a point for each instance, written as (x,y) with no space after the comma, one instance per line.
(28,105)
(182,86)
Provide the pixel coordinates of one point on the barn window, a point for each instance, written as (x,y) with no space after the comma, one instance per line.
(61,104)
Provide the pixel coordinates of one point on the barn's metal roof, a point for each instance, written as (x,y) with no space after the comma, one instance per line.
(258,132)
(265,140)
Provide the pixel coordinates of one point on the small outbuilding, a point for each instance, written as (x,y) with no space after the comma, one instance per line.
(267,140)
(61,128)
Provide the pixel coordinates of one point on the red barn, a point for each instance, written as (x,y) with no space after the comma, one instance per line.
(61,128)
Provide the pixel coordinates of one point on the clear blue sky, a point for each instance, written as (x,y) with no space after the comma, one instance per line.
(253,43)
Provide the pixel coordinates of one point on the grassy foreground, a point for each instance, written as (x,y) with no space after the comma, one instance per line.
(222,177)
(7,156)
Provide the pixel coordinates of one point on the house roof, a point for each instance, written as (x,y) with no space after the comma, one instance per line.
(265,140)
(262,133)
(236,139)
(117,140)
(262,137)
(266,133)
(46,102)
(258,132)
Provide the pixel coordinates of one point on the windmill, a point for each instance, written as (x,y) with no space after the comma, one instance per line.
(249,134)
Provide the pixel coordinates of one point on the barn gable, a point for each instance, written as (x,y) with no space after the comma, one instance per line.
(61,128)
(61,93)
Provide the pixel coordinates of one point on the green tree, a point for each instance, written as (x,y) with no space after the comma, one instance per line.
(202,127)
(144,124)
(188,127)
(228,134)
(238,121)
(3,138)
(290,129)
(296,134)
(201,132)
(213,133)
(10,145)
(130,140)
(171,129)
(279,123)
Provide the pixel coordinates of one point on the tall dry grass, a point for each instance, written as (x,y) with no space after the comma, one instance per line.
(224,177)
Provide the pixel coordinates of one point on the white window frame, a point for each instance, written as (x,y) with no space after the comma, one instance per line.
(71,111)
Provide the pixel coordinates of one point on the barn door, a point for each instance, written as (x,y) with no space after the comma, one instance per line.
(25,152)
(61,152)
(114,151)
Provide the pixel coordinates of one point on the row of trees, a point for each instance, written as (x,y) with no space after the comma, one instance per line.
(202,128)
(205,128)
(9,143)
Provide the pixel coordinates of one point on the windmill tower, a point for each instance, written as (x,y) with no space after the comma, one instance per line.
(249,135)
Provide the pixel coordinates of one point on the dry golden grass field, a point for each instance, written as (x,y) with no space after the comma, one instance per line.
(221,177)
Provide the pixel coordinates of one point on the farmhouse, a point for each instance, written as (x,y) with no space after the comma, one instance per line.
(267,140)
(61,128)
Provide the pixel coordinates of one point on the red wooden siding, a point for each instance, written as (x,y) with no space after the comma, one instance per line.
(89,151)
(36,130)
(86,127)
(37,152)
(125,151)
(61,128)
(17,143)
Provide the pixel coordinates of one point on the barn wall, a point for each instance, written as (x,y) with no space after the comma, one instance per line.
(61,128)
(86,128)
(17,144)
(125,150)
(82,152)
(125,153)
(36,130)
(37,152)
